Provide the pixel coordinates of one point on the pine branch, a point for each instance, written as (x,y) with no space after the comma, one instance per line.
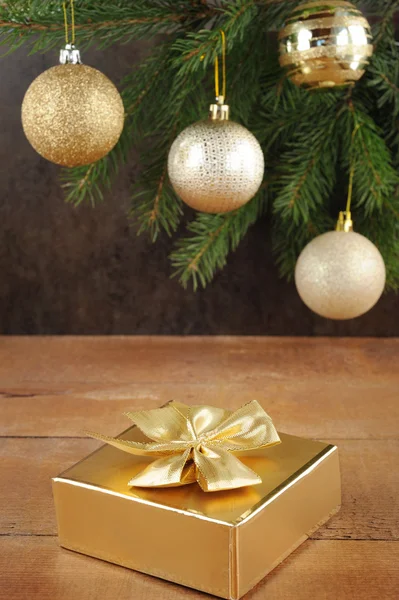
(197,50)
(104,22)
(306,137)
(154,203)
(86,184)
(382,84)
(306,173)
(198,257)
(158,210)
(156,207)
(383,230)
(374,177)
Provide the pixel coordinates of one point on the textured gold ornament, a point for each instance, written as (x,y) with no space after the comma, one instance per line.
(72,115)
(216,165)
(325,44)
(340,275)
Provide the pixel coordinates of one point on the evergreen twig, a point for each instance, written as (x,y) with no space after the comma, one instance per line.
(199,256)
(307,138)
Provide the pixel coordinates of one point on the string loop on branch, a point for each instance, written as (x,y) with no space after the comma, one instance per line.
(64,7)
(221,97)
(345,222)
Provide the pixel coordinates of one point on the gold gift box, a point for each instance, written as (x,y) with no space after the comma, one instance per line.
(222,543)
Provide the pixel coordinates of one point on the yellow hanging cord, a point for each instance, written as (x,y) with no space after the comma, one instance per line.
(223,68)
(65,22)
(350,190)
(72,22)
(345,222)
(352,172)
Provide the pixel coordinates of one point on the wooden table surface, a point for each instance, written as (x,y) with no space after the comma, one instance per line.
(343,391)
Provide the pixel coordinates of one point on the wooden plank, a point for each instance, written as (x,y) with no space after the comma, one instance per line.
(317,388)
(325,388)
(26,468)
(195,359)
(370,483)
(326,570)
(314,409)
(370,508)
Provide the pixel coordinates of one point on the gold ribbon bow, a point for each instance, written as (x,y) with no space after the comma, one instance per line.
(194,443)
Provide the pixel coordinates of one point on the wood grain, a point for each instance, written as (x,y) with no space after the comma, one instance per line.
(195,359)
(342,391)
(308,407)
(333,570)
(370,482)
(314,387)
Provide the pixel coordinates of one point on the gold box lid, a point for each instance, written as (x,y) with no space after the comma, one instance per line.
(109,469)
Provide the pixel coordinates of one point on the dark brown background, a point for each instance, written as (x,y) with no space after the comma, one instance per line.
(84,271)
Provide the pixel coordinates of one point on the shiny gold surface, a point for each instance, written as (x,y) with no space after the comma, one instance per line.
(220,543)
(195,443)
(216,165)
(324,45)
(111,469)
(72,115)
(340,275)
(267,538)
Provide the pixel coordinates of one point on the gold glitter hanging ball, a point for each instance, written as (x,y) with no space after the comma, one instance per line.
(340,275)
(216,166)
(72,115)
(325,44)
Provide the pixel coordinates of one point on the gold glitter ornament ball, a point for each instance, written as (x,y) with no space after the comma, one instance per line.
(216,166)
(72,115)
(340,275)
(325,44)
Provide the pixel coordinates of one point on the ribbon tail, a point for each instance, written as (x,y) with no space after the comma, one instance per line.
(218,470)
(169,471)
(141,448)
(165,424)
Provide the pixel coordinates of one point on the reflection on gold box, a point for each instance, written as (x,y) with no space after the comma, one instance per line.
(222,543)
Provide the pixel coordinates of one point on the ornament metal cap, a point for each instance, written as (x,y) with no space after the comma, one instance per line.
(70,55)
(219,111)
(344,222)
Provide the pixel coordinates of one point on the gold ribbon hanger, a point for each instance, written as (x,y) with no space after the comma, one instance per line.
(64,8)
(345,222)
(195,443)
(220,98)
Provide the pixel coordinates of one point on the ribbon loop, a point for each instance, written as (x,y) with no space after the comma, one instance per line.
(195,444)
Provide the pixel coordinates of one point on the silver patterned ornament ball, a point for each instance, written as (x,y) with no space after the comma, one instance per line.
(340,275)
(325,44)
(72,114)
(216,165)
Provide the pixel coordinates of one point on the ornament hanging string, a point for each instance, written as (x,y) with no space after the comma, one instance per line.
(345,222)
(352,171)
(350,190)
(72,22)
(217,90)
